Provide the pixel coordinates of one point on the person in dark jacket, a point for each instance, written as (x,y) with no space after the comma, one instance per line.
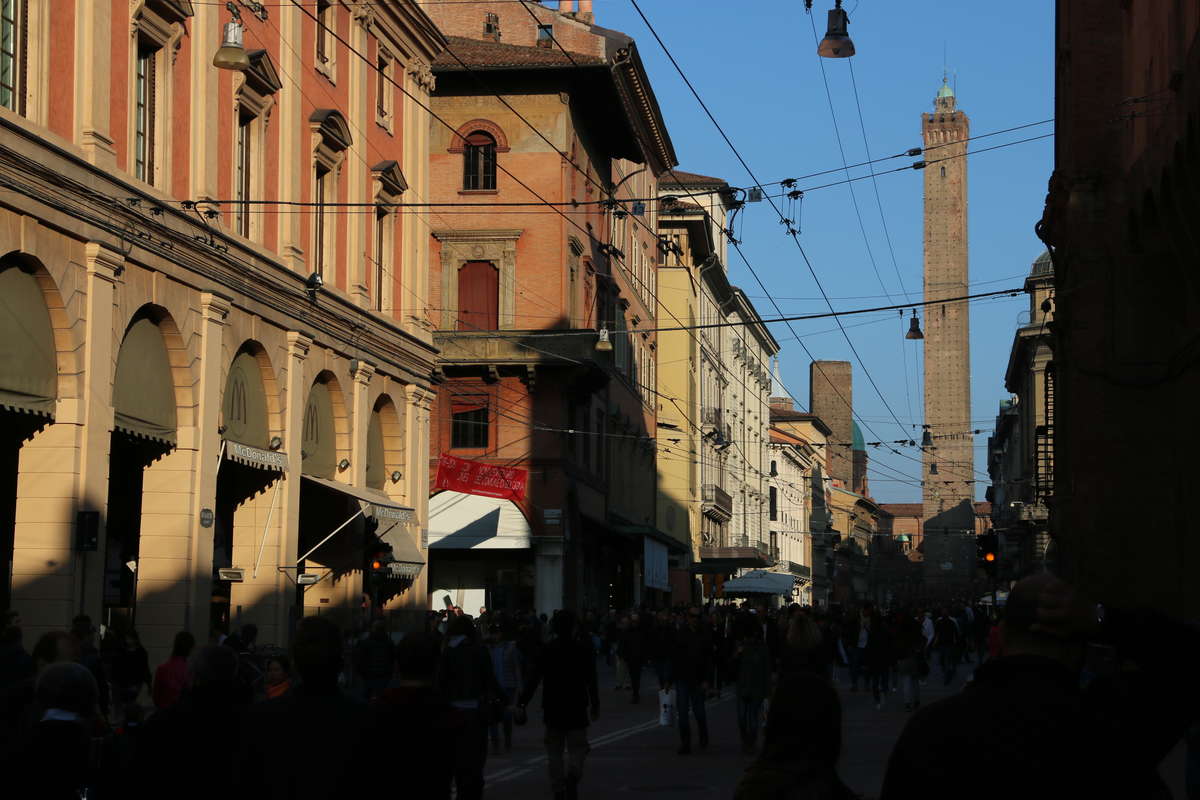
(280,757)
(130,671)
(631,648)
(753,665)
(84,634)
(191,736)
(801,745)
(1050,735)
(661,648)
(691,666)
(57,752)
(467,680)
(567,668)
(374,659)
(412,721)
(877,655)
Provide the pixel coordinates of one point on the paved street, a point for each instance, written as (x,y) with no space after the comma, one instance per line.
(632,756)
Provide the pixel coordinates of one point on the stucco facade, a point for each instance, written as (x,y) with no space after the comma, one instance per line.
(196,379)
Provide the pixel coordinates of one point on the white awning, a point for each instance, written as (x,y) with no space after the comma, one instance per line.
(460,521)
(760,581)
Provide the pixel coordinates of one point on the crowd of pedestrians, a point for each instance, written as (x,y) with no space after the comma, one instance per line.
(340,714)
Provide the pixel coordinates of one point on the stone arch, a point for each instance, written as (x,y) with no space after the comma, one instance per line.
(325,433)
(68,384)
(459,137)
(252,351)
(386,447)
(177,361)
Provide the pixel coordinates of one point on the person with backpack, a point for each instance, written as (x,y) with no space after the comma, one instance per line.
(945,644)
(506,663)
(466,679)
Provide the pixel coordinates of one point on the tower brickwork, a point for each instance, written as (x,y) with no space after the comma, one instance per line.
(948,494)
(831,397)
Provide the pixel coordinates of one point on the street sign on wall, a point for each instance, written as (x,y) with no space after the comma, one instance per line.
(475,477)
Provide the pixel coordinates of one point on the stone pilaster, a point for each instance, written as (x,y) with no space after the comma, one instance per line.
(360,418)
(287,550)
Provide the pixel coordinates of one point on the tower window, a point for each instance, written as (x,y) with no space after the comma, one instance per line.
(943,171)
(491,26)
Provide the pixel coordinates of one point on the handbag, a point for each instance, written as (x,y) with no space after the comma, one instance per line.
(666,708)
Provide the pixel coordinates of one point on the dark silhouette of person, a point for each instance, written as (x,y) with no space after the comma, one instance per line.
(1054,713)
(466,679)
(191,737)
(566,670)
(801,744)
(311,742)
(56,754)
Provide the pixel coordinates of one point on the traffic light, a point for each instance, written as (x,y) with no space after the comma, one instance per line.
(988,545)
(377,564)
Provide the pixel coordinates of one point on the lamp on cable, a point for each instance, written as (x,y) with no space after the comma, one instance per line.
(604,344)
(232,53)
(914,327)
(837,43)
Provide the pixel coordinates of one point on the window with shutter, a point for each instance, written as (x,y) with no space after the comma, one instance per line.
(479,162)
(13,50)
(478,296)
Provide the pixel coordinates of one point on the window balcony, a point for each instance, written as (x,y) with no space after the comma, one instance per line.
(717,502)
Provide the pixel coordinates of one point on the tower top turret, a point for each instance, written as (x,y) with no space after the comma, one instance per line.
(945,100)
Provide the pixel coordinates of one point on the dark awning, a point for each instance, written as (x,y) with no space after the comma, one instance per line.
(650,532)
(28,363)
(244,407)
(376,503)
(143,393)
(376,454)
(259,457)
(720,560)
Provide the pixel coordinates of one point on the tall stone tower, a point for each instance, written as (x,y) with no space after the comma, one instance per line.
(948,496)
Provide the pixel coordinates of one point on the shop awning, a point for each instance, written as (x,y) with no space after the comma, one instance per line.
(459,521)
(651,532)
(273,460)
(717,560)
(760,581)
(28,362)
(405,551)
(374,502)
(143,391)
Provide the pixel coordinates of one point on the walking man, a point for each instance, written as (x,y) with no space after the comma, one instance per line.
(945,642)
(690,667)
(567,666)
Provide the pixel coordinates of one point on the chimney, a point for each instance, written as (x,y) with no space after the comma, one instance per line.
(585,11)
(566,6)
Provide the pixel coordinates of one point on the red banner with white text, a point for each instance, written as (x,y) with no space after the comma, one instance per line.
(475,477)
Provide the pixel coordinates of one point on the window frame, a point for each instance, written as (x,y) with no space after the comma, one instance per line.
(145,101)
(326,43)
(385,90)
(474,426)
(19,55)
(479,162)
(321,183)
(243,185)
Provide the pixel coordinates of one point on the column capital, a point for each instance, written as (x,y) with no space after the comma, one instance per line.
(298,345)
(215,307)
(419,396)
(362,371)
(102,262)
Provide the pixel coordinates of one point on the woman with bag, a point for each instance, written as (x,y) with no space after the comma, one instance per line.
(753,665)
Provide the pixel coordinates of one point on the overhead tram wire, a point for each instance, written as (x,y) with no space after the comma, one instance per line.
(793,235)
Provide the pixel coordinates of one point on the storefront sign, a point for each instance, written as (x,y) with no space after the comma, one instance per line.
(255,456)
(206,518)
(474,477)
(393,513)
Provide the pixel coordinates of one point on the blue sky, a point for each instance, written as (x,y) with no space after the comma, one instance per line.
(754,63)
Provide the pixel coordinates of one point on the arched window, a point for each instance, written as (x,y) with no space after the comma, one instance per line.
(479,162)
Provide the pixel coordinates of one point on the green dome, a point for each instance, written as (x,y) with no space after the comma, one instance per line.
(859,442)
(945,91)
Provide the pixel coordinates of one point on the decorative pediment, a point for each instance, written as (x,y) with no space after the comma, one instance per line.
(332,127)
(171,10)
(391,179)
(262,76)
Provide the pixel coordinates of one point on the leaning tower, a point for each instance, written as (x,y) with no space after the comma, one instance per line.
(948,469)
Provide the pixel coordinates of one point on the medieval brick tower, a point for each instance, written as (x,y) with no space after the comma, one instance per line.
(948,469)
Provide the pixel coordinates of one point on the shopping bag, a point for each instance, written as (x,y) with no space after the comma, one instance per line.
(666,708)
